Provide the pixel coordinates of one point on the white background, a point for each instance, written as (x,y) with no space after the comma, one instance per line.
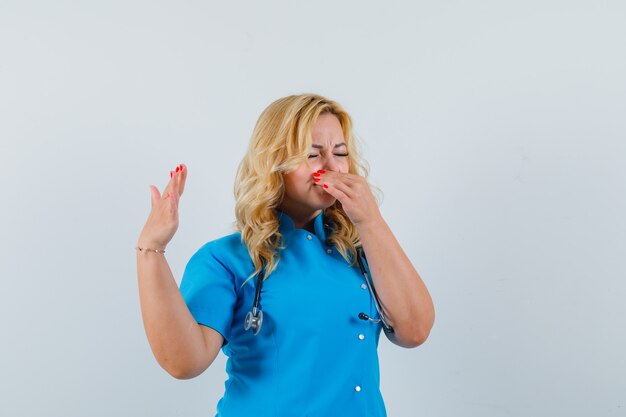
(495,129)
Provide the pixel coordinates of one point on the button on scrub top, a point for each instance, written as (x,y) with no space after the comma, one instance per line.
(313,356)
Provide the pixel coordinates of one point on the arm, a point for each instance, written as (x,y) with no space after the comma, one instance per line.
(180,345)
(404,298)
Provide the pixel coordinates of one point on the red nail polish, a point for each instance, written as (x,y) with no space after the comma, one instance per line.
(321,171)
(325,186)
(177,168)
(316,174)
(170,174)
(316,179)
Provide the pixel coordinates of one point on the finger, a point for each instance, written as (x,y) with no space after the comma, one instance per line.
(343,187)
(173,201)
(339,181)
(336,177)
(154,194)
(175,181)
(169,186)
(183,178)
(339,195)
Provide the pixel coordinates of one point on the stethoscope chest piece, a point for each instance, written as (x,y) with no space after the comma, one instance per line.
(254,321)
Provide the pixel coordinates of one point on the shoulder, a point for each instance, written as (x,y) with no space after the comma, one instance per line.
(224,243)
(222,247)
(228,250)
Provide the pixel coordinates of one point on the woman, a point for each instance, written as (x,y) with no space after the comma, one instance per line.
(308,345)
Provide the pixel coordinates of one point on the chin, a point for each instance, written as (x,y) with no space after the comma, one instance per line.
(327,203)
(322,201)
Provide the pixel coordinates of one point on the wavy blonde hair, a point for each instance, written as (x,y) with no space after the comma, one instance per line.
(280,142)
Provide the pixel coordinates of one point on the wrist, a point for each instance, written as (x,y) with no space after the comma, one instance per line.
(371,226)
(146,245)
(140,249)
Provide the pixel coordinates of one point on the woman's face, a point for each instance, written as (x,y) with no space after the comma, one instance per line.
(303,199)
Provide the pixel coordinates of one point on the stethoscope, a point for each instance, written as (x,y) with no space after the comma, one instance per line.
(254,318)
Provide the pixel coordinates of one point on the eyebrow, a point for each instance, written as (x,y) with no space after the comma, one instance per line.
(315,145)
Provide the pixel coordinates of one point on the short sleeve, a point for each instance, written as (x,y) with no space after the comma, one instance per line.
(208,288)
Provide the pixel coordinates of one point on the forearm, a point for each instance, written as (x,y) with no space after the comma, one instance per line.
(175,337)
(404,297)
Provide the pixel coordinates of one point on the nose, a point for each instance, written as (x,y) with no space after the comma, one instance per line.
(331,164)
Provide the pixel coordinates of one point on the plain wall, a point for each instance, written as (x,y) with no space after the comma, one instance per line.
(496,131)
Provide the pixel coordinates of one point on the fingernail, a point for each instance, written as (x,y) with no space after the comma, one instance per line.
(177,168)
(325,186)
(181,167)
(170,174)
(316,174)
(316,179)
(321,171)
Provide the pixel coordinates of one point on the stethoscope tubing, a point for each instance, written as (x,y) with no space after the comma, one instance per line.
(383,319)
(254,318)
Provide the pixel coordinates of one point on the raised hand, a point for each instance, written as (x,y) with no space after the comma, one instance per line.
(162,222)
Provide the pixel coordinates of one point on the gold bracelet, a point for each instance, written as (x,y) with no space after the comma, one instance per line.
(152,250)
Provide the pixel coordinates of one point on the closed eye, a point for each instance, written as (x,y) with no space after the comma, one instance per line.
(311,156)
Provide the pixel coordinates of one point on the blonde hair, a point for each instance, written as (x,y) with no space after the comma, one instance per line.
(280,142)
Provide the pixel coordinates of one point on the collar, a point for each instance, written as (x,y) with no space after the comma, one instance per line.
(286,224)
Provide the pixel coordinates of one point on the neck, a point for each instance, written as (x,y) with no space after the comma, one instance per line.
(302,220)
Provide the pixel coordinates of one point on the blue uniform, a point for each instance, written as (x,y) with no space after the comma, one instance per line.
(313,356)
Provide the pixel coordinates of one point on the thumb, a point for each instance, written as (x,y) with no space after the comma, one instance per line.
(155,195)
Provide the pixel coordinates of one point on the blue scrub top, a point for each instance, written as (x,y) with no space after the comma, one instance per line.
(313,356)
